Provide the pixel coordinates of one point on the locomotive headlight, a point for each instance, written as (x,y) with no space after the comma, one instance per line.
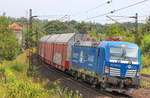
(106,68)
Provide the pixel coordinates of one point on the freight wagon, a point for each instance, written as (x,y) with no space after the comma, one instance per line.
(56,49)
(112,65)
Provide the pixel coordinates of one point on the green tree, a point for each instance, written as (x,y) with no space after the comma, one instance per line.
(118,30)
(95,35)
(56,26)
(9,46)
(114,30)
(83,27)
(37,32)
(145,46)
(146,27)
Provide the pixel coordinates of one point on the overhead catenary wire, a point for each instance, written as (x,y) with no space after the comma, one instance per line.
(122,16)
(142,20)
(129,6)
(91,9)
(113,11)
(98,16)
(129,17)
(126,16)
(108,2)
(60,17)
(50,16)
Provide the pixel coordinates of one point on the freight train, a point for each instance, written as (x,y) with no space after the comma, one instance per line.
(111,65)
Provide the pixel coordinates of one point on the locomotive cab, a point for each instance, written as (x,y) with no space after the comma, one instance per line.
(120,64)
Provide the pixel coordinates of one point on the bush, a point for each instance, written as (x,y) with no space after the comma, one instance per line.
(25,89)
(2,71)
(144,61)
(8,42)
(145,46)
(17,67)
(14,83)
(144,84)
(2,75)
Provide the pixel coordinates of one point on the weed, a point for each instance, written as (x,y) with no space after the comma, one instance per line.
(17,67)
(144,84)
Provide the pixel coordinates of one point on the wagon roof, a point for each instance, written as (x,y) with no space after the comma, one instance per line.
(57,38)
(44,38)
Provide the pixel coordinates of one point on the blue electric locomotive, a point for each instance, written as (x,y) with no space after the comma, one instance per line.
(115,66)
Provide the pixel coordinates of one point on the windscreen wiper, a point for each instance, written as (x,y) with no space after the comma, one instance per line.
(130,61)
(120,58)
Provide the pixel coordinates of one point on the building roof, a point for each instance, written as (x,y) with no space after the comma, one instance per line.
(15,26)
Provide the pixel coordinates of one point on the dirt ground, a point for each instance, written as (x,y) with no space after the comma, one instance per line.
(141,93)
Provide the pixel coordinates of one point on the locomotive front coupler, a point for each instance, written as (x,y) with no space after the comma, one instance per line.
(121,82)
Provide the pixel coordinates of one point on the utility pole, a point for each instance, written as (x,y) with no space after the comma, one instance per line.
(37,37)
(30,23)
(30,41)
(136,23)
(136,28)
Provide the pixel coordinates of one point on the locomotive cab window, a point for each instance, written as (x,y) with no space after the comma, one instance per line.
(130,54)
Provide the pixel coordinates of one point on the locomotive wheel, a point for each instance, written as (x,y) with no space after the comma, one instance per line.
(76,76)
(93,85)
(102,87)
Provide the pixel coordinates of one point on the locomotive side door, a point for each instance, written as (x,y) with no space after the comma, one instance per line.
(100,60)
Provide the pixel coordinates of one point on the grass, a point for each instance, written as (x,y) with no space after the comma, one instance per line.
(145,84)
(14,82)
(145,70)
(145,60)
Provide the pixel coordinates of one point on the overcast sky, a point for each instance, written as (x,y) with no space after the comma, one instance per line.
(76,9)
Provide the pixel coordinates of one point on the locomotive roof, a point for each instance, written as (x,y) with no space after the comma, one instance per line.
(117,44)
(57,38)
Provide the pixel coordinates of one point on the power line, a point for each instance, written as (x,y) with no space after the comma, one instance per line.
(130,5)
(122,16)
(113,19)
(129,17)
(50,16)
(142,20)
(111,12)
(98,16)
(58,17)
(108,2)
(126,16)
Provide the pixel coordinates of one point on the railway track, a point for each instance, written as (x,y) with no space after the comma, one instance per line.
(145,75)
(68,81)
(85,89)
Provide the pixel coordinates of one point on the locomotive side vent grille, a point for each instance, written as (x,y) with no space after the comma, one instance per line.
(131,73)
(114,71)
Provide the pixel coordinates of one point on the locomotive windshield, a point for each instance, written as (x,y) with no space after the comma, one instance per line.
(124,53)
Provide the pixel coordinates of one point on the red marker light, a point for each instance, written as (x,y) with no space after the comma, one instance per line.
(116,81)
(128,81)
